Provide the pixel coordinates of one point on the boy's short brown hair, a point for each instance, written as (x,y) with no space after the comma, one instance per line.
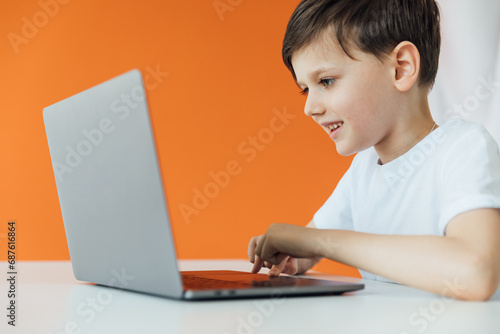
(373,26)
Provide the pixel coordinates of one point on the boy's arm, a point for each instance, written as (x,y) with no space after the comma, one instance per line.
(464,264)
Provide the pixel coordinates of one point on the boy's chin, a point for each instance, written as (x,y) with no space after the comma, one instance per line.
(344,151)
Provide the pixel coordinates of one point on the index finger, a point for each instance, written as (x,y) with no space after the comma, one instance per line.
(257,265)
(251,248)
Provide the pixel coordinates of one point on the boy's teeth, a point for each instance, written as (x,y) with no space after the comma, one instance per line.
(335,126)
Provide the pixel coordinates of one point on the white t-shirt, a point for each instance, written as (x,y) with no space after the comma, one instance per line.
(454,169)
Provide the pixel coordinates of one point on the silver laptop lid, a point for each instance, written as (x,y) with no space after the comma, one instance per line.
(110,188)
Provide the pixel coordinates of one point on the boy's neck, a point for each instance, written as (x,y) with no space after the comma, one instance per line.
(411,126)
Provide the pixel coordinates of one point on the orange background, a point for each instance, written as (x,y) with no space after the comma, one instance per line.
(225,77)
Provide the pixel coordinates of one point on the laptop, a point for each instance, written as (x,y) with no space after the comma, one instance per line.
(114,208)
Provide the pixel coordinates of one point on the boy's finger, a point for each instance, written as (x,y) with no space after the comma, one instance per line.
(251,249)
(257,265)
(290,267)
(277,269)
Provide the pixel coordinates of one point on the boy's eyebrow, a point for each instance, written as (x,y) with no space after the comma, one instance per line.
(316,73)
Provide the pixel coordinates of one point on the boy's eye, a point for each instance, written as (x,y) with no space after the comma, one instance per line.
(324,82)
(327,82)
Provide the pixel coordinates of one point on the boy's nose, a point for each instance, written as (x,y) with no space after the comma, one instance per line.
(313,107)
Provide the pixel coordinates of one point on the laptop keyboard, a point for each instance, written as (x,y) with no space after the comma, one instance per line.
(196,282)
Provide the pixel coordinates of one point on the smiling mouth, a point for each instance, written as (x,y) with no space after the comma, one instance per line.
(333,127)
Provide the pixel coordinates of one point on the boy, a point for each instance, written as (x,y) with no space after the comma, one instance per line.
(420,203)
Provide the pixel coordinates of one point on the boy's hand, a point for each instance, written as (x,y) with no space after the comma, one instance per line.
(280,248)
(287,266)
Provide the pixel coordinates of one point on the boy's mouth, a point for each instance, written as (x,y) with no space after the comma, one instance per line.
(333,128)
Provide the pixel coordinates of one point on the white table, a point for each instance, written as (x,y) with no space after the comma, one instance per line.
(51,301)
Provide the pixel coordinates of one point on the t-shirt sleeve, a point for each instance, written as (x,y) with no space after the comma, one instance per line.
(471,175)
(336,213)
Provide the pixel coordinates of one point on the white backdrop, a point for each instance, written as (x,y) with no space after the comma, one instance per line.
(468,80)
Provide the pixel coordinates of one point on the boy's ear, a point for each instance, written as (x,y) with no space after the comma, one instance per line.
(406,65)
